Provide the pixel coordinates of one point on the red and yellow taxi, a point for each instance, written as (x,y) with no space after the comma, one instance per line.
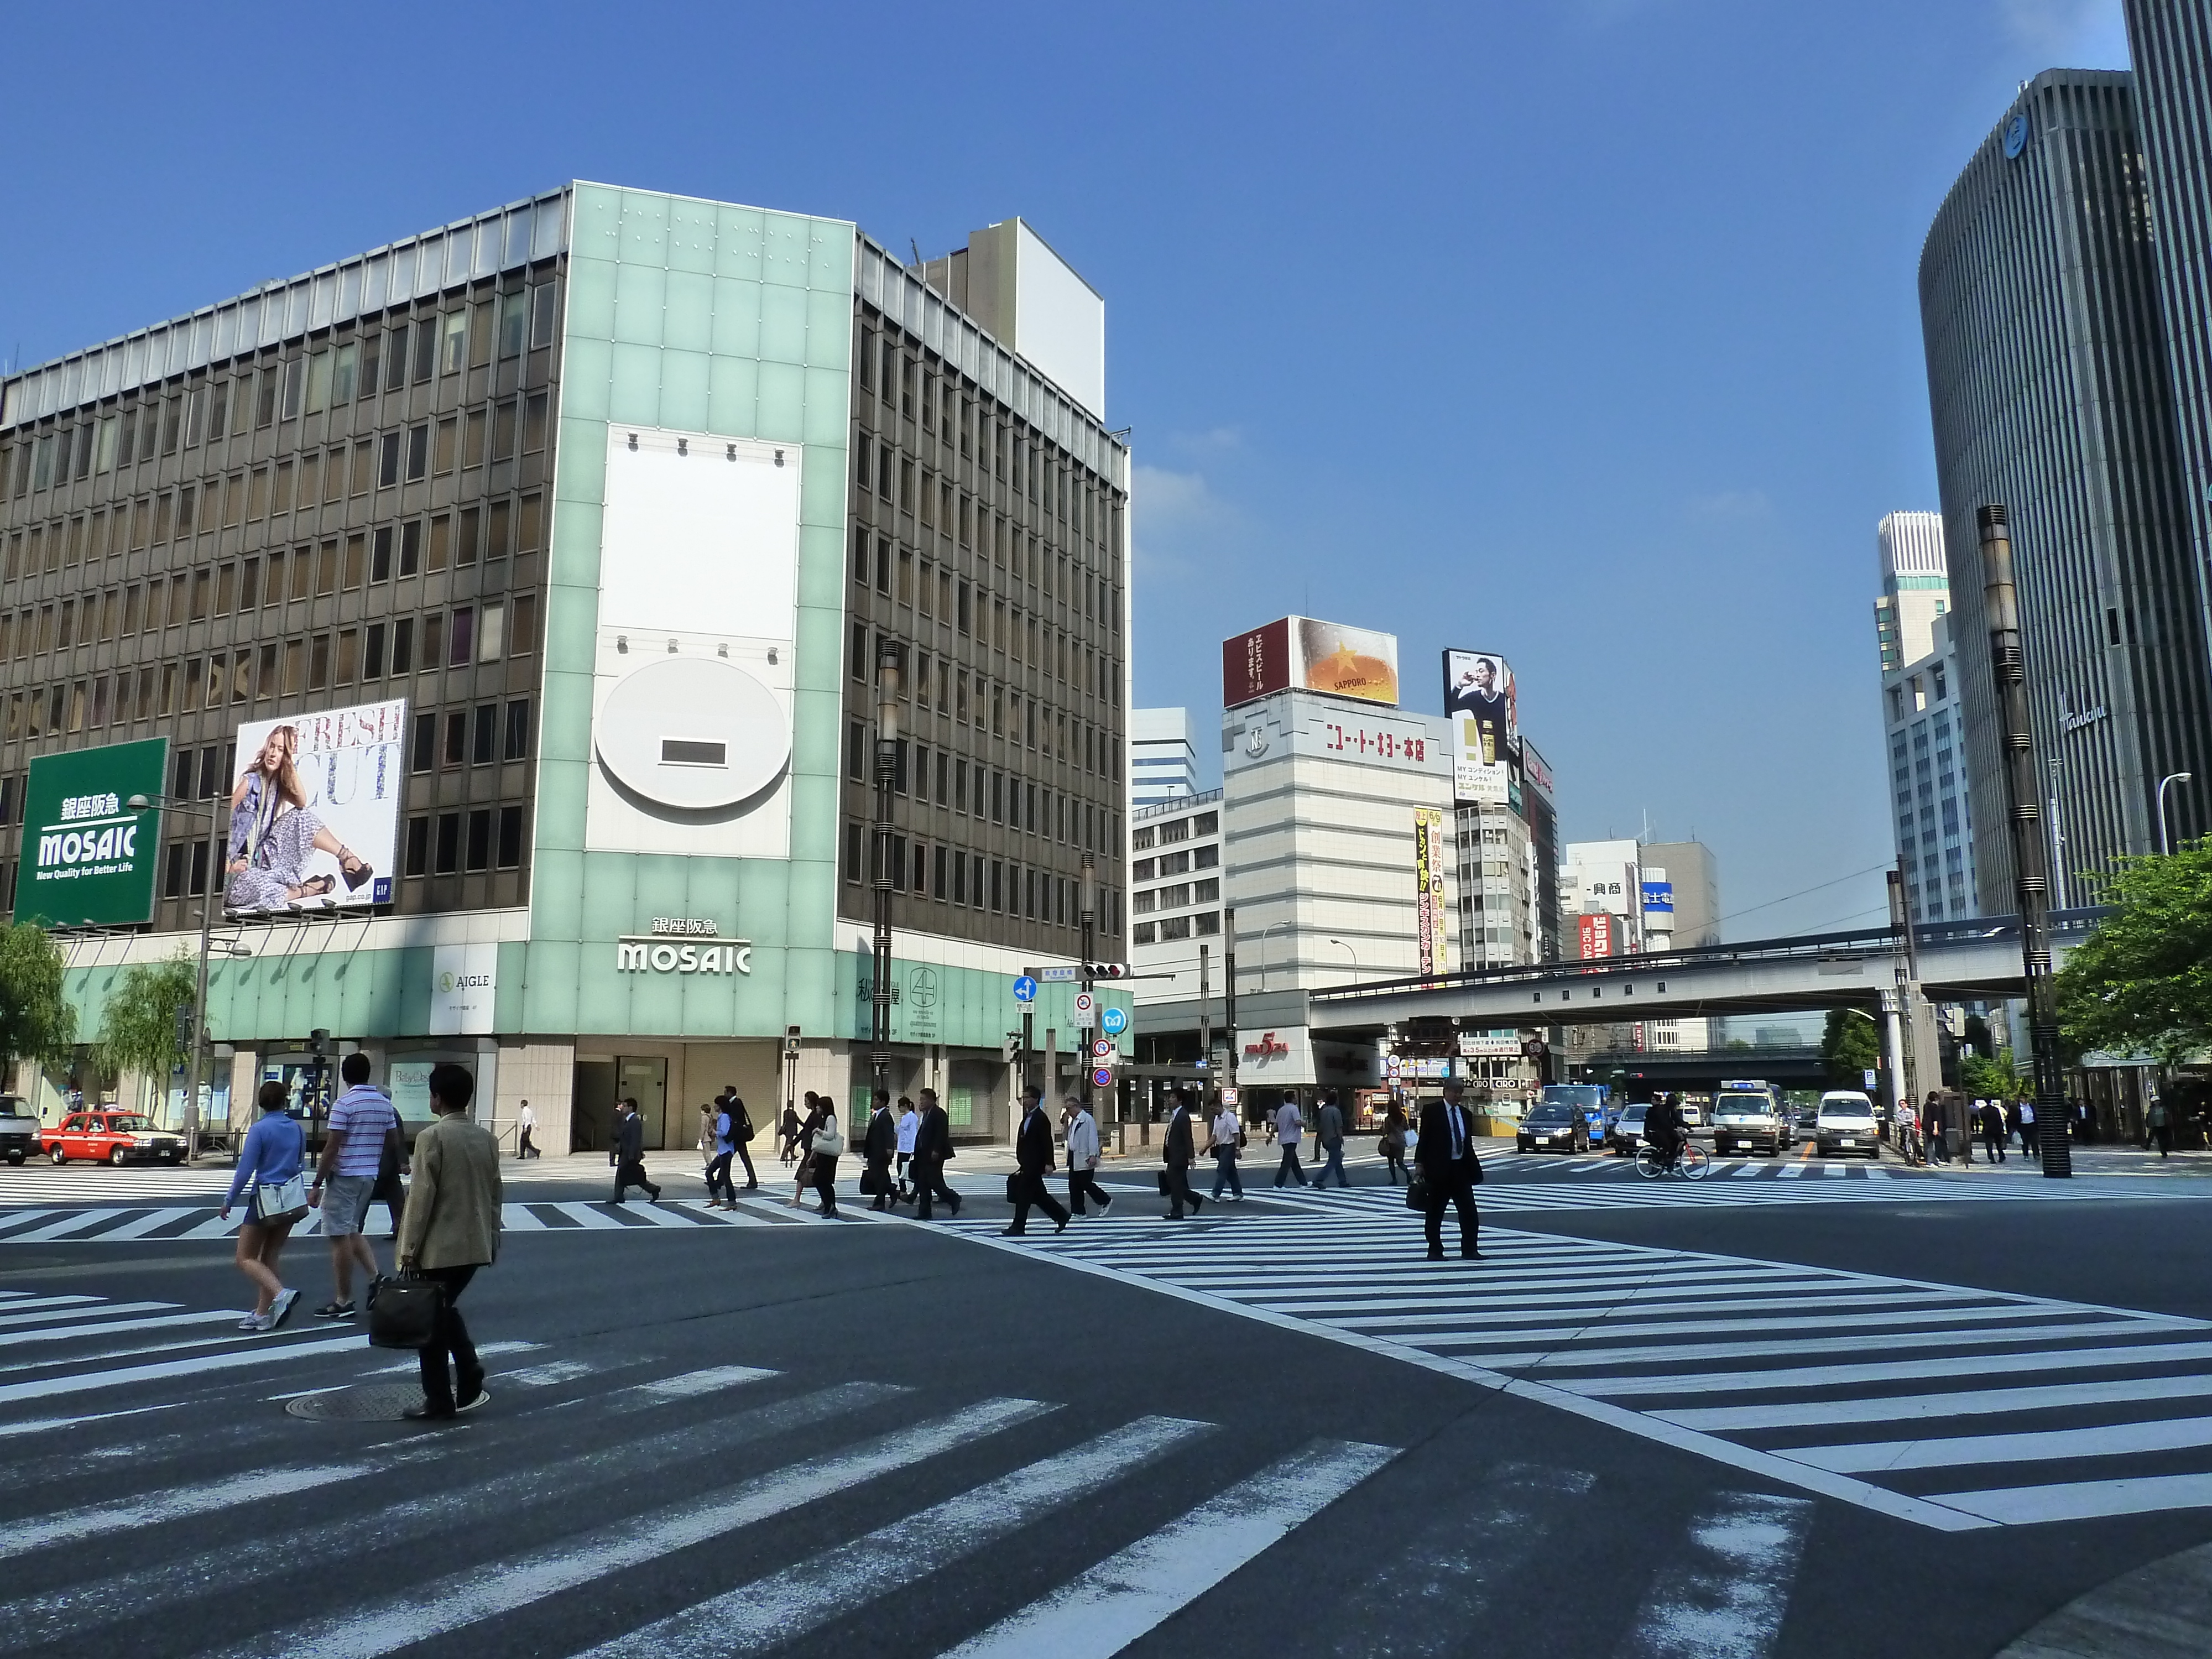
(117,1137)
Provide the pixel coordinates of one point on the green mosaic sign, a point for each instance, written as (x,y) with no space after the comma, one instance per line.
(88,858)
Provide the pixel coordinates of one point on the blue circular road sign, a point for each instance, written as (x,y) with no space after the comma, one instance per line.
(1114,1021)
(1025,989)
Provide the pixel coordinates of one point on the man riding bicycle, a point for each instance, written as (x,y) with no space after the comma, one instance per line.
(1663,1128)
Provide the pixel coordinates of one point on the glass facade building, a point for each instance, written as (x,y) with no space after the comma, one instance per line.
(620,493)
(2049,389)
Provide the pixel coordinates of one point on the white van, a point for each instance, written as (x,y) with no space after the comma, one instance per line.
(1845,1124)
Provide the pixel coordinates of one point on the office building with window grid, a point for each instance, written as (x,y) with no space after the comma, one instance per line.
(620,494)
(1916,585)
(2048,379)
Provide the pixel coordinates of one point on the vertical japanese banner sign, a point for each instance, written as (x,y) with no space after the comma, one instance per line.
(1429,887)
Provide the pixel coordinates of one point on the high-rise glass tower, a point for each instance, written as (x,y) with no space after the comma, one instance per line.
(1916,585)
(2048,385)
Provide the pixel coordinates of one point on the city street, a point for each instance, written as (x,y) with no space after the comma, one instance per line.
(1791,1412)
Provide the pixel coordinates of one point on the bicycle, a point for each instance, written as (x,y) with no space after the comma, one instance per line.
(1691,1162)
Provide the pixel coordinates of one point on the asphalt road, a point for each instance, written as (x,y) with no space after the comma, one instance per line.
(1172,1466)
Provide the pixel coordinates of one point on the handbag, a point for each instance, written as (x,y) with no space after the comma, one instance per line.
(1417,1193)
(286,1201)
(828,1139)
(872,1183)
(1166,1191)
(403,1312)
(1015,1190)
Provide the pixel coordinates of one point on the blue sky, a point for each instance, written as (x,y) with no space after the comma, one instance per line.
(1581,331)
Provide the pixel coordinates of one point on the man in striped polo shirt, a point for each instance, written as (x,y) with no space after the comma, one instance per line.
(345,1175)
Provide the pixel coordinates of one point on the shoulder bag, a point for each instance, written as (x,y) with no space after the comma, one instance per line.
(403,1312)
(828,1139)
(283,1200)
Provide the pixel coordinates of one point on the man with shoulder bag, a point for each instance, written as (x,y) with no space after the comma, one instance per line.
(932,1146)
(1033,1162)
(741,1135)
(450,1228)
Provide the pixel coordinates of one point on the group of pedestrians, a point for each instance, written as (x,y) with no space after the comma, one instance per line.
(448,1220)
(726,1132)
(1288,1126)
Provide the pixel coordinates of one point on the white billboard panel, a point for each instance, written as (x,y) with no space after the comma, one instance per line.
(692,692)
(1481,702)
(314,810)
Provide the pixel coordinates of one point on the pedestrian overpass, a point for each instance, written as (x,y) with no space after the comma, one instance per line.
(1974,960)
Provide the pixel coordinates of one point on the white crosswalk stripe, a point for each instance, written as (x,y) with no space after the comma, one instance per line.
(118,1225)
(1749,1363)
(586,1486)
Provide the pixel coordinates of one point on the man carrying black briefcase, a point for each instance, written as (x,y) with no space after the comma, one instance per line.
(450,1228)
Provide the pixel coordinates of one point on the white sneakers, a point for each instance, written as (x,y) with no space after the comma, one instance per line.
(278,1311)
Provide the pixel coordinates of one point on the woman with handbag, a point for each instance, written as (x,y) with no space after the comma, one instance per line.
(802,1141)
(275,1195)
(1394,1143)
(823,1147)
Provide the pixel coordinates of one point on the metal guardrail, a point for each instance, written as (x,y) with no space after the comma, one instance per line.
(1972,930)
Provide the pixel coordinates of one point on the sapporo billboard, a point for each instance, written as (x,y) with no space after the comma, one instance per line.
(314,810)
(88,858)
(1304,653)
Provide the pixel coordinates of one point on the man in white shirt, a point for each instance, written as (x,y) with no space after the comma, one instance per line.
(1228,1139)
(528,1120)
(1083,1158)
(909,1123)
(1289,1128)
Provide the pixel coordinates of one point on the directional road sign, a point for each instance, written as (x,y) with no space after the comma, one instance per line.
(1113,1021)
(1103,1076)
(1087,1010)
(1025,989)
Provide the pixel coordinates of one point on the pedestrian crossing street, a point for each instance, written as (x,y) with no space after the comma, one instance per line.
(1952,1407)
(615,1505)
(1523,1183)
(132,1224)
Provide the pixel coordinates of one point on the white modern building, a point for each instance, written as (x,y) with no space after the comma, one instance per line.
(1174,934)
(1916,585)
(1162,758)
(1924,743)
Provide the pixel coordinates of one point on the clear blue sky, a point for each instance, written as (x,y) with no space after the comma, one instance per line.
(1584,331)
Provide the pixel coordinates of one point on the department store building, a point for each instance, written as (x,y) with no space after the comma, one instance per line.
(583,522)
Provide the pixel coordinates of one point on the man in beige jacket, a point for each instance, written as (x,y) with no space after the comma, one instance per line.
(450,1230)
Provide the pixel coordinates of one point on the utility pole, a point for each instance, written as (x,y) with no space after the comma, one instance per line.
(1913,1009)
(1087,899)
(1229,995)
(1206,1023)
(887,741)
(2030,870)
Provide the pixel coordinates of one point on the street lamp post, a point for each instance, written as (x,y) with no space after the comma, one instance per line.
(2165,841)
(211,811)
(1349,951)
(887,741)
(1086,904)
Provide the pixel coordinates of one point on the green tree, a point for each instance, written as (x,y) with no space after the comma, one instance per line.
(1849,1049)
(1991,1077)
(36,1022)
(138,1025)
(2143,981)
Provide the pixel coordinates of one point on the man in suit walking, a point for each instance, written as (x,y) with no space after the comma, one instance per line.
(882,1146)
(933,1144)
(741,1133)
(628,1154)
(1446,1155)
(1083,1154)
(1328,1131)
(1177,1153)
(450,1229)
(1033,1161)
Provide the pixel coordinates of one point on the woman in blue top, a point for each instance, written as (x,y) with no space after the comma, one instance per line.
(274,1148)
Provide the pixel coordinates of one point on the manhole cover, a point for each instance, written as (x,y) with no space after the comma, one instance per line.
(368,1402)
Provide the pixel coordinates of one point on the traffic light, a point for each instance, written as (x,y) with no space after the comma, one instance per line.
(1106,970)
(1011,1047)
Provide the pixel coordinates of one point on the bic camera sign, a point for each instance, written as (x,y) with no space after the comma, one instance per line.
(702,949)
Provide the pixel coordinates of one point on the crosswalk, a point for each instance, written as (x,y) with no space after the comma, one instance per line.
(1952,1407)
(618,1504)
(159,1223)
